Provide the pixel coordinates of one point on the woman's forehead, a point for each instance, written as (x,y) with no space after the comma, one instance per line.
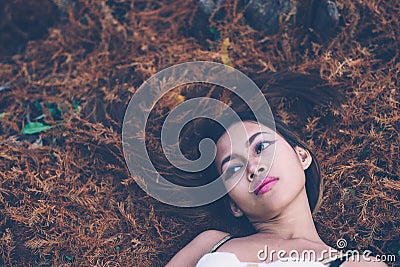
(239,134)
(245,130)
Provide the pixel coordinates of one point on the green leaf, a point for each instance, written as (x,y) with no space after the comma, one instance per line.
(35,127)
(39,117)
(84,20)
(76,105)
(2,114)
(38,106)
(224,52)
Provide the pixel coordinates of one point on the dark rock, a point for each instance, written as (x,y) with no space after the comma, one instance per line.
(263,15)
(325,17)
(208,6)
(22,21)
(207,10)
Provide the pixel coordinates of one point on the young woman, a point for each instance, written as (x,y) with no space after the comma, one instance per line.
(277,197)
(273,182)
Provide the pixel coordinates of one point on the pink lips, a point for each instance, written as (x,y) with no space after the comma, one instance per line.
(265,185)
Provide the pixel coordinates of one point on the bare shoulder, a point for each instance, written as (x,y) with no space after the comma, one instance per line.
(195,249)
(364,261)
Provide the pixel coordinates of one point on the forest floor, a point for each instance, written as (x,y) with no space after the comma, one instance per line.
(67,197)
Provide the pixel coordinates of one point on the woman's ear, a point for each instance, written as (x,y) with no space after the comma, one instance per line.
(304,157)
(235,210)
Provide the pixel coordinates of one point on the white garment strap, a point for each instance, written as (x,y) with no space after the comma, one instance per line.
(220,243)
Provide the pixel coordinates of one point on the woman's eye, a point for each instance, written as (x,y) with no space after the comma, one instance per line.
(262,146)
(231,171)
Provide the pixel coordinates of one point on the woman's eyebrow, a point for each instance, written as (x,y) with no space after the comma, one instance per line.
(225,160)
(251,139)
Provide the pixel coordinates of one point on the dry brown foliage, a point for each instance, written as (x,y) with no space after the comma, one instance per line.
(69,200)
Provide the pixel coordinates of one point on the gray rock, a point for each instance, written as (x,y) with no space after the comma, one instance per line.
(263,15)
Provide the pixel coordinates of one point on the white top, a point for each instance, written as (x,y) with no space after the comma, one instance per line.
(226,259)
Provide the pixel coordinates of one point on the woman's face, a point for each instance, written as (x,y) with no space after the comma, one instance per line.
(265,173)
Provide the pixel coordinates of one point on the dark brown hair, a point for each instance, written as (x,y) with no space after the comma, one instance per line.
(302,91)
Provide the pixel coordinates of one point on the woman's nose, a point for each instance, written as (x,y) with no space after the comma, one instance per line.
(254,171)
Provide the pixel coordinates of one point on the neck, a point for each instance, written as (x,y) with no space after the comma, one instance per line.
(295,222)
